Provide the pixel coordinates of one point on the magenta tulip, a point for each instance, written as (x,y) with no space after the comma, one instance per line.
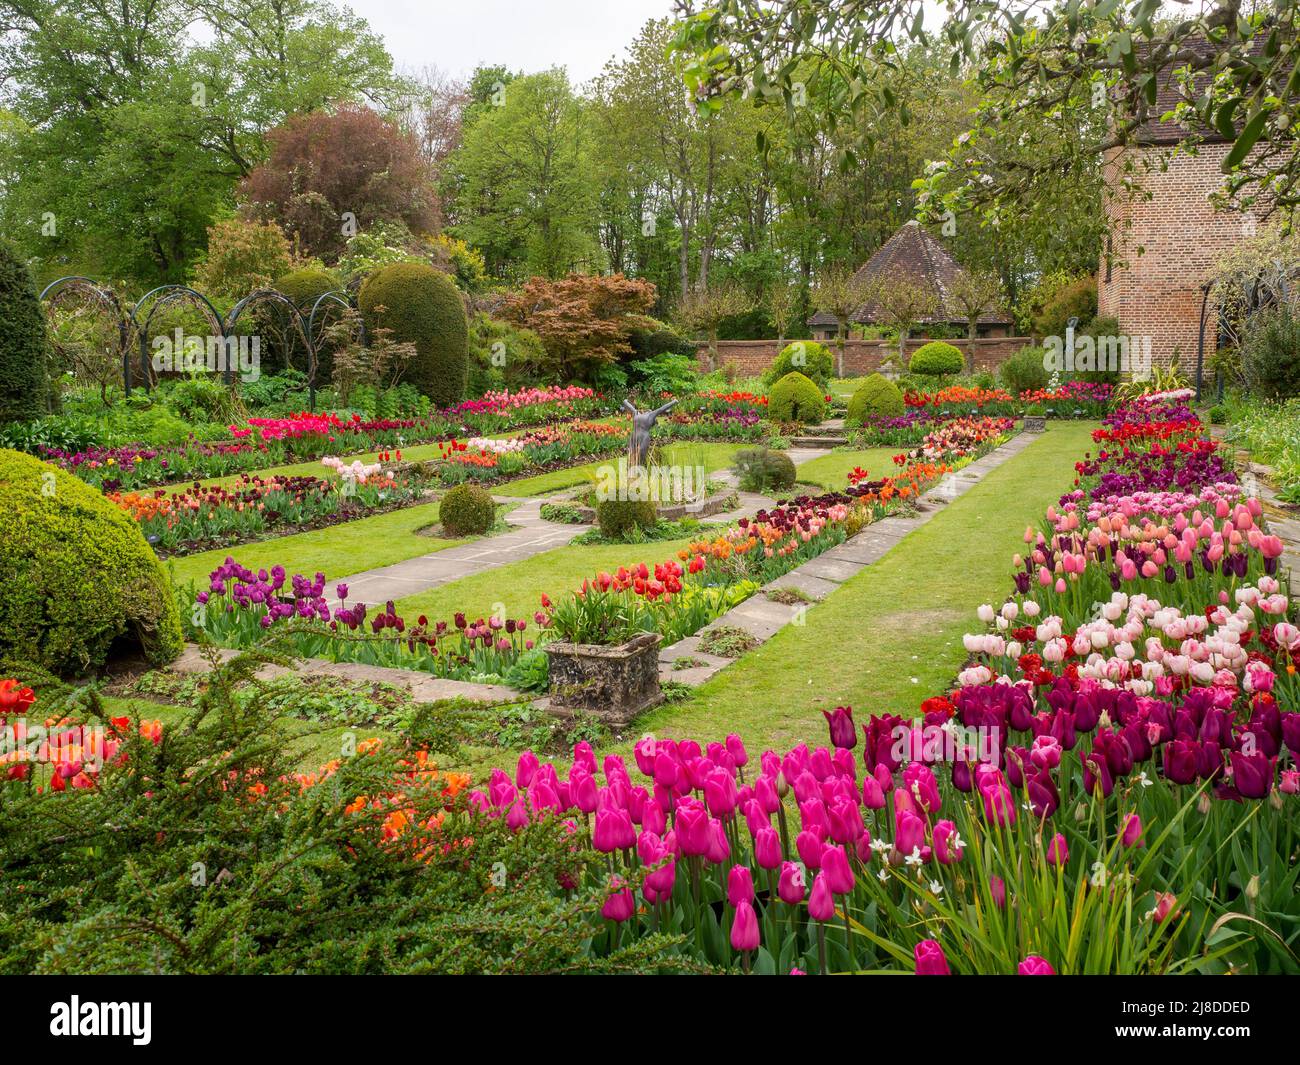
(744,928)
(740,885)
(791,886)
(930,959)
(821,903)
(1035,966)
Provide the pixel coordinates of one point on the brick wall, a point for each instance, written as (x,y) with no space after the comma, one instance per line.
(752,357)
(1157,293)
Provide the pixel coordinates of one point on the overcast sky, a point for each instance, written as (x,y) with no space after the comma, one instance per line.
(523,35)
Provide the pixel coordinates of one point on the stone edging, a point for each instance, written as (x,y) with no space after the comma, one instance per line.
(424,687)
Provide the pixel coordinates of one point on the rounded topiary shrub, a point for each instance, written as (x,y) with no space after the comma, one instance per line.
(876,395)
(24,387)
(422,306)
(936,359)
(795,398)
(618,517)
(761,469)
(78,574)
(807,357)
(1025,371)
(467,510)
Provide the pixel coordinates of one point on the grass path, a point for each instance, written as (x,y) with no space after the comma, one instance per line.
(891,636)
(336,551)
(831,470)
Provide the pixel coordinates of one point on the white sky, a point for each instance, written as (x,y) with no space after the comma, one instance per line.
(524,35)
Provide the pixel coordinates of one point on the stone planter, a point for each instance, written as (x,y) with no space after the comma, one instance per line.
(1034,423)
(612,683)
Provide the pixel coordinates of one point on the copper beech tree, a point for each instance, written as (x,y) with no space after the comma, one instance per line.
(584,321)
(330,174)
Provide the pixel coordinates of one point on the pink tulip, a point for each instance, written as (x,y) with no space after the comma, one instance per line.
(835,864)
(1058,853)
(947,846)
(1035,966)
(621,904)
(740,885)
(767,848)
(1132,834)
(744,928)
(790,887)
(821,903)
(930,959)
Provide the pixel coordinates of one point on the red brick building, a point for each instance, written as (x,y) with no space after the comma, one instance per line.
(1164,246)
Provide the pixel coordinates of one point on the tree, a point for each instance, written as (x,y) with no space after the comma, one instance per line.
(840,291)
(584,321)
(242,256)
(973,293)
(705,309)
(330,174)
(687,184)
(901,302)
(523,192)
(131,137)
(782,308)
(1095,66)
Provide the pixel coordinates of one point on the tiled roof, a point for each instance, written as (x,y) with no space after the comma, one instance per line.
(914,254)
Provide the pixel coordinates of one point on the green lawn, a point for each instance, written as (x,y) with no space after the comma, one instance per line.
(891,636)
(831,470)
(519,586)
(337,551)
(713,456)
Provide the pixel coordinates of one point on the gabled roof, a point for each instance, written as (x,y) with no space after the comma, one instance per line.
(914,254)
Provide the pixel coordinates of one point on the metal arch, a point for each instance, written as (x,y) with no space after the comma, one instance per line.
(279,299)
(345,298)
(106,298)
(161,296)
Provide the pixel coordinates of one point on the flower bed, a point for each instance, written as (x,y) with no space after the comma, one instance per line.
(1073,805)
(198,518)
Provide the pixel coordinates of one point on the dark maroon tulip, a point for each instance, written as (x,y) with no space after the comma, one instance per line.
(1291,733)
(1181,761)
(1096,773)
(843,732)
(1252,774)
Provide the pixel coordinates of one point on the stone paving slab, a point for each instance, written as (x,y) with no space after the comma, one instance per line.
(815,588)
(422,686)
(830,569)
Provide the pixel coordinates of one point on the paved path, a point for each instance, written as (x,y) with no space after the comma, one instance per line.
(763,618)
(530,534)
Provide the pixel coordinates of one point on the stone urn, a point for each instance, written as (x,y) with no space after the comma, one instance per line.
(614,683)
